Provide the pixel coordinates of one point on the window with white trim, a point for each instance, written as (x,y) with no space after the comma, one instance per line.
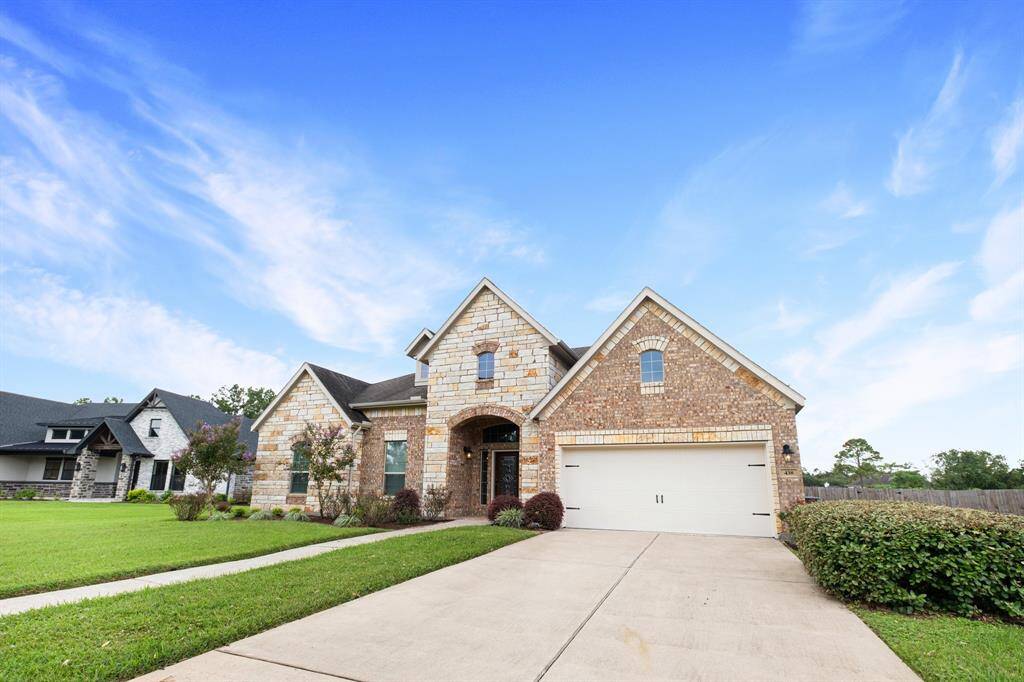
(485,365)
(652,367)
(396,454)
(154,427)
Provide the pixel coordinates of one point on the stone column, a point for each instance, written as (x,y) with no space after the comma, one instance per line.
(84,482)
(124,475)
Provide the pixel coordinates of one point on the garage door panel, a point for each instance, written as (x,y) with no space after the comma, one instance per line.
(702,489)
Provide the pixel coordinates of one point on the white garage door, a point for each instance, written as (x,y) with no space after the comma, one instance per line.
(722,490)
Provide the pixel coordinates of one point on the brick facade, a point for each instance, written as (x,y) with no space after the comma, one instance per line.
(409,428)
(702,401)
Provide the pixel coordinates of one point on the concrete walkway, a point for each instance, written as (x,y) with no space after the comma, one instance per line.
(577,605)
(36,601)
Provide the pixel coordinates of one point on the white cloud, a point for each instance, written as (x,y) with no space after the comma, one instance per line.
(788,321)
(1007,141)
(836,25)
(1004,300)
(918,154)
(1002,250)
(842,203)
(905,297)
(614,302)
(126,336)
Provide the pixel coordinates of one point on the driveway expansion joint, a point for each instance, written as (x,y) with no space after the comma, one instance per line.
(268,661)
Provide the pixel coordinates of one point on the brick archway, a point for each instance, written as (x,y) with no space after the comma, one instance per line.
(486,410)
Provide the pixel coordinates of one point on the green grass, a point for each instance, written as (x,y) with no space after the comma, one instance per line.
(951,648)
(127,635)
(51,545)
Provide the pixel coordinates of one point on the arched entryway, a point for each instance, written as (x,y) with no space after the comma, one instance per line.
(483,458)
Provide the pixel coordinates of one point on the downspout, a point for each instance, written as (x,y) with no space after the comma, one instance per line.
(358,426)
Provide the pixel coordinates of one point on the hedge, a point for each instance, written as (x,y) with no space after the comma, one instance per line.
(914,557)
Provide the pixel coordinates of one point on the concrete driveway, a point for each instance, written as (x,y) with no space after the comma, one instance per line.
(578,605)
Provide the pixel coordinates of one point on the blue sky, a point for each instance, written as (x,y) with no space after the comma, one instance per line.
(203,194)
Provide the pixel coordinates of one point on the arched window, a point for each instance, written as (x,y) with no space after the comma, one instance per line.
(485,365)
(300,469)
(652,366)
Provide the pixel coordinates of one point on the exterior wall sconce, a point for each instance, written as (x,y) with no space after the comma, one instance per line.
(78,466)
(787,453)
(468,450)
(124,467)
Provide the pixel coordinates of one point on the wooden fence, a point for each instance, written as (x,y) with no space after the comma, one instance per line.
(1005,501)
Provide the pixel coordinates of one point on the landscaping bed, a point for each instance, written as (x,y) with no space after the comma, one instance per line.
(52,545)
(119,637)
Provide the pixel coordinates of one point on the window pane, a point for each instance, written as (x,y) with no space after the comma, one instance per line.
(60,434)
(299,460)
(651,366)
(395,454)
(300,482)
(393,483)
(502,433)
(177,479)
(51,469)
(154,428)
(77,434)
(422,370)
(485,366)
(67,473)
(159,478)
(485,476)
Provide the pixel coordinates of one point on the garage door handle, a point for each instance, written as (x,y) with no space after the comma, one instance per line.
(574,508)
(761,514)
(572,466)
(755,465)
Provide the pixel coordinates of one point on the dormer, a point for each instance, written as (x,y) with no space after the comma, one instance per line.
(422,368)
(65,434)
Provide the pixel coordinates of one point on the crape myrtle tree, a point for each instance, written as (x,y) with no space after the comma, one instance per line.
(328,454)
(212,454)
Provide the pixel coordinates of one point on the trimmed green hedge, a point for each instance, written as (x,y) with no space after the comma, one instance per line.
(912,557)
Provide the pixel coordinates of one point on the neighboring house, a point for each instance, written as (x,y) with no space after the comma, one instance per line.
(659,425)
(103,450)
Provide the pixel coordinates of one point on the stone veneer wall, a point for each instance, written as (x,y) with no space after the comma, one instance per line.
(305,402)
(392,427)
(522,376)
(55,489)
(703,400)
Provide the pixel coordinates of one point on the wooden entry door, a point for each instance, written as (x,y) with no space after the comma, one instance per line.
(506,473)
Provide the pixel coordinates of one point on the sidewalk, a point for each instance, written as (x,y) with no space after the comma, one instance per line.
(36,601)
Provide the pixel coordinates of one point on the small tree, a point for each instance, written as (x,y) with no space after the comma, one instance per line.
(967,469)
(212,453)
(909,478)
(857,460)
(249,401)
(328,454)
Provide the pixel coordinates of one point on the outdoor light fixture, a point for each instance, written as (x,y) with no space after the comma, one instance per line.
(78,466)
(468,450)
(787,452)
(124,467)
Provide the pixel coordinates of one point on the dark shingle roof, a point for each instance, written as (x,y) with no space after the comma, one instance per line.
(38,447)
(399,388)
(343,389)
(20,416)
(580,351)
(126,436)
(190,411)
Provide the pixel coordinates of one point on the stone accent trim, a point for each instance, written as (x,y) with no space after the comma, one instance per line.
(652,387)
(486,410)
(84,483)
(55,489)
(123,477)
(650,343)
(485,346)
(396,435)
(743,433)
(412,411)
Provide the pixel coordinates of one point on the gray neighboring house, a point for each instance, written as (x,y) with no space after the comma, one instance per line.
(103,450)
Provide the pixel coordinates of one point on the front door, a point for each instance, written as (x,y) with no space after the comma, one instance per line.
(506,473)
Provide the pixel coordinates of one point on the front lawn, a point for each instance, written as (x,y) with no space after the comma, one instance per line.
(951,648)
(130,634)
(51,545)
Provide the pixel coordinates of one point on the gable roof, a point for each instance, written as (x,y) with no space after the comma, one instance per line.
(188,411)
(489,285)
(421,338)
(22,416)
(399,389)
(122,431)
(339,388)
(649,294)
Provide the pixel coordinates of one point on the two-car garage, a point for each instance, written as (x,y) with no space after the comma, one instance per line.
(712,489)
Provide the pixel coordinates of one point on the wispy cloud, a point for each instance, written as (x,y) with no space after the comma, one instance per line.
(836,25)
(1002,263)
(919,152)
(821,240)
(842,203)
(309,233)
(152,345)
(788,321)
(1007,141)
(614,302)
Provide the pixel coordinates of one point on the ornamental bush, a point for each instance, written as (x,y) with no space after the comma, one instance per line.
(509,518)
(139,495)
(436,500)
(187,507)
(261,515)
(501,503)
(405,505)
(545,510)
(26,494)
(914,557)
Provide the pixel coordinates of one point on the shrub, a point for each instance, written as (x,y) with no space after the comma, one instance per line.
(26,494)
(139,495)
(187,507)
(545,510)
(500,503)
(239,512)
(166,495)
(261,515)
(243,498)
(277,512)
(912,556)
(296,514)
(220,497)
(436,501)
(374,510)
(345,520)
(405,506)
(220,516)
(221,505)
(510,518)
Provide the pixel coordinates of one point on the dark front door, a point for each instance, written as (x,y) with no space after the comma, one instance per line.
(506,473)
(135,474)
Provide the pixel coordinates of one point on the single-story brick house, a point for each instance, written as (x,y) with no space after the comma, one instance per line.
(103,450)
(659,425)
